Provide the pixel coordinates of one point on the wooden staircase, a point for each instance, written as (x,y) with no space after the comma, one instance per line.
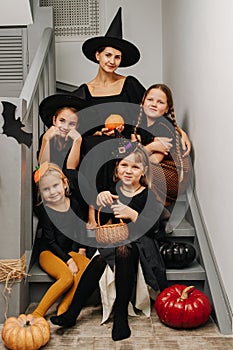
(203,273)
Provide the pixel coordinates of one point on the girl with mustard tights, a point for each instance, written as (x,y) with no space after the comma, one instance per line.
(58,256)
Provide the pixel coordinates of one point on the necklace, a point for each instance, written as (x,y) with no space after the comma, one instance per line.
(138,188)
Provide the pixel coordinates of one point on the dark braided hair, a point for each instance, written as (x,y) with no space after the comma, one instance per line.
(168,93)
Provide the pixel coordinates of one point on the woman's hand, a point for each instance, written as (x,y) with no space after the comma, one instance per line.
(122,211)
(72,266)
(105,198)
(108,132)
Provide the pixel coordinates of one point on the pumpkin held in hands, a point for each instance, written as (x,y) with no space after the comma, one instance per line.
(180,306)
(25,332)
(113,121)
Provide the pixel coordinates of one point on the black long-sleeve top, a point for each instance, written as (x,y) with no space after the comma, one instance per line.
(143,233)
(60,230)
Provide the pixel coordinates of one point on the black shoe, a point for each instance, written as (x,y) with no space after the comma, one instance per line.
(62,321)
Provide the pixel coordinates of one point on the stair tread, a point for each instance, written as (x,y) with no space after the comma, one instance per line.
(36,274)
(183,229)
(193,272)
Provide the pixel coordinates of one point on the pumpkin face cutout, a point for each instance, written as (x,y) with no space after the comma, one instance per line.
(113,121)
(177,255)
(25,332)
(180,306)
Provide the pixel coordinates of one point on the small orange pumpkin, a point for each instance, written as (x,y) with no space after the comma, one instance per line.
(113,121)
(25,332)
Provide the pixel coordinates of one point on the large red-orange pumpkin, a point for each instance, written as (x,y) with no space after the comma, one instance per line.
(180,306)
(25,332)
(113,121)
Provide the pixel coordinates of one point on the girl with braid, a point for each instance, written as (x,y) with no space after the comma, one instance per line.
(156,121)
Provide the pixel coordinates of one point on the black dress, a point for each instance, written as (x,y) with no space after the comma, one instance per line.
(58,157)
(98,166)
(144,233)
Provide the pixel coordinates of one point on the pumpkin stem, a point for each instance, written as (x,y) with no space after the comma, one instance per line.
(27,324)
(185,293)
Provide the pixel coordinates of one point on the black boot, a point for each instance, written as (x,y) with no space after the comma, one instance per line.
(87,285)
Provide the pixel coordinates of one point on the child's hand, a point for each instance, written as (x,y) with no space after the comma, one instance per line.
(122,211)
(82,251)
(74,135)
(161,144)
(72,266)
(105,198)
(51,132)
(186,144)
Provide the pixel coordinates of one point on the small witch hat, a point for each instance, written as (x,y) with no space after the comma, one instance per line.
(124,147)
(52,103)
(113,38)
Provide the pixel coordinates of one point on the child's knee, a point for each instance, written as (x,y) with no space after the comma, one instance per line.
(67,279)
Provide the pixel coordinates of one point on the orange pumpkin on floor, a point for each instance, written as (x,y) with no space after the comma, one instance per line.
(113,121)
(25,332)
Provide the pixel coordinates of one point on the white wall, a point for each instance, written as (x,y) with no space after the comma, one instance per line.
(197,64)
(141,24)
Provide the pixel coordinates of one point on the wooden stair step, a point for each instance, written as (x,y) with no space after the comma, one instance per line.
(36,274)
(184,229)
(191,273)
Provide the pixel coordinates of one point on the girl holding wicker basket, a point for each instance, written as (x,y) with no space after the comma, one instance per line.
(132,201)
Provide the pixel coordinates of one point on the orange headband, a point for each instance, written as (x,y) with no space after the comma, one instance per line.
(41,170)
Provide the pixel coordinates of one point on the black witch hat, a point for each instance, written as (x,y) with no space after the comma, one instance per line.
(113,38)
(52,103)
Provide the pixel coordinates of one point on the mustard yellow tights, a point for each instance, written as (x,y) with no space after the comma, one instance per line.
(58,269)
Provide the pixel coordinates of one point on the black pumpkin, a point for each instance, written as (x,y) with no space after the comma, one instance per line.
(177,255)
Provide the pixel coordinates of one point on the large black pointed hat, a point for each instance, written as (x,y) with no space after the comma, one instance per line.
(113,38)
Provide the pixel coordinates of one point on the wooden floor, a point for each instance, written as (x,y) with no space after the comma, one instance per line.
(146,333)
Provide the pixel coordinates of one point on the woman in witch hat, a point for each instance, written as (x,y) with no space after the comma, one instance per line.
(111,52)
(109,88)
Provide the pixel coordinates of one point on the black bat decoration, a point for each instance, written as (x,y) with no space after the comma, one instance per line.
(13,127)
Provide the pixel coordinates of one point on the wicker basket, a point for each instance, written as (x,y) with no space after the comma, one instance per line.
(111,233)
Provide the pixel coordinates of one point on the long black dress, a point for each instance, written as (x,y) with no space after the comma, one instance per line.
(97,165)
